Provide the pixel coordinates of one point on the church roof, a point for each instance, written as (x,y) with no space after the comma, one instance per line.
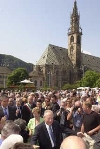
(55,55)
(59,56)
(91,62)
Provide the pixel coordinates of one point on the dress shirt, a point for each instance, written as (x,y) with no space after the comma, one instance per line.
(52,143)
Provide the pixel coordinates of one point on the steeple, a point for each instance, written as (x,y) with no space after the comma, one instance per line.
(75,10)
(74,37)
(75,21)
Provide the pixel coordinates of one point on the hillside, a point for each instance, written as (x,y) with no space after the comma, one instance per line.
(12,62)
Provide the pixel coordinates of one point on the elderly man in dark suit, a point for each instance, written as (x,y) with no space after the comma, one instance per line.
(48,133)
(5,109)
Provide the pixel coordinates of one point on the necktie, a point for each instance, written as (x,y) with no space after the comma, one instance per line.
(52,135)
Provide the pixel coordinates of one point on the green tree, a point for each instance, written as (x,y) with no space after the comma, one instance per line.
(90,78)
(98,83)
(70,86)
(16,76)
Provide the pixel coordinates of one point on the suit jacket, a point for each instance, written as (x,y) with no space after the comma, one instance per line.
(26,113)
(55,107)
(42,137)
(11,112)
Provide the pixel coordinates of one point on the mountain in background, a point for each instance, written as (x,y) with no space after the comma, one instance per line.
(12,63)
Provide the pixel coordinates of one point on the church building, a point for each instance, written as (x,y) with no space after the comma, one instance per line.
(58,66)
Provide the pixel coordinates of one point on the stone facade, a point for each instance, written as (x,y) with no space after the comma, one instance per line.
(4,72)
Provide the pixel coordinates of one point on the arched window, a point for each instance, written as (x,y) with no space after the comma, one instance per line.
(72,39)
(78,39)
(40,83)
(35,82)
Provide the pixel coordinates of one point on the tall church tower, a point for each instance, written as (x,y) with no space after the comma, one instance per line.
(74,38)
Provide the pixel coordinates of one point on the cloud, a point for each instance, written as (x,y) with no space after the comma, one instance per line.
(86,52)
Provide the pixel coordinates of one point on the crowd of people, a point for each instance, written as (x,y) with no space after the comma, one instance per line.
(65,119)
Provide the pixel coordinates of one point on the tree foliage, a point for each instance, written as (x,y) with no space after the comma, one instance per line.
(16,76)
(90,78)
(70,86)
(98,83)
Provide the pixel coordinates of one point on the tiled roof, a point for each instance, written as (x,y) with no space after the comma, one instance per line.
(58,55)
(91,62)
(54,55)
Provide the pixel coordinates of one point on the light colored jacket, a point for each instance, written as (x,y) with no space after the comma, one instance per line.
(31,125)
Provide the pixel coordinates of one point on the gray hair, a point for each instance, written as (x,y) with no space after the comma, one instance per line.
(21,123)
(46,112)
(9,128)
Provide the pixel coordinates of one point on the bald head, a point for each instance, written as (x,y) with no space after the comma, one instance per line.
(78,104)
(73,142)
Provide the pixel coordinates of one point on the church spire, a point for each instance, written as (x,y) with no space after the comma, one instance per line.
(75,20)
(75,10)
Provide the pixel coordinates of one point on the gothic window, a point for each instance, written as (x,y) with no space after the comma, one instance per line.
(35,82)
(40,83)
(71,51)
(78,39)
(72,39)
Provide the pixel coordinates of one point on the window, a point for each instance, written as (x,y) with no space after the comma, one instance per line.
(35,82)
(78,39)
(72,39)
(40,83)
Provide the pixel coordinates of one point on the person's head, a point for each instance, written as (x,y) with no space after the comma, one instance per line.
(54,99)
(87,106)
(47,101)
(73,142)
(21,123)
(9,128)
(11,102)
(20,145)
(48,117)
(39,103)
(63,104)
(4,100)
(30,99)
(18,102)
(12,95)
(89,100)
(10,141)
(36,112)
(78,104)
(68,103)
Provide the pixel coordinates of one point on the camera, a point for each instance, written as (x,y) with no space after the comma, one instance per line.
(76,108)
(61,109)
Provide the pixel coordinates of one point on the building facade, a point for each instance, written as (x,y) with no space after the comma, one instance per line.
(4,72)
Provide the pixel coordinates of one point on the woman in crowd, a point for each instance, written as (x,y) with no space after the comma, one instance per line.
(34,121)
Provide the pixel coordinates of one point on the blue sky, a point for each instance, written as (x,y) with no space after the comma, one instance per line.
(28,26)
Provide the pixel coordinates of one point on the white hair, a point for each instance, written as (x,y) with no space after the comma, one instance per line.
(10,141)
(47,112)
